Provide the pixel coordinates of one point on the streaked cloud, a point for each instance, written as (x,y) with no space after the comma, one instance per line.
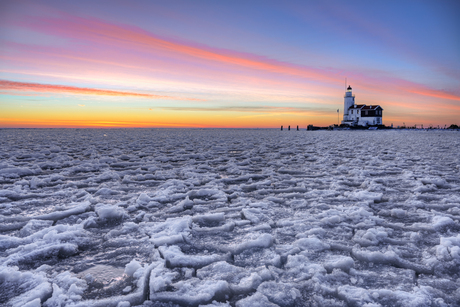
(122,37)
(7,85)
(251,109)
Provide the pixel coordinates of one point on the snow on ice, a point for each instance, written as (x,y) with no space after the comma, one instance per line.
(177,217)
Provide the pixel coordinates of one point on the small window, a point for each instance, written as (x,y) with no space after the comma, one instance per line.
(351,111)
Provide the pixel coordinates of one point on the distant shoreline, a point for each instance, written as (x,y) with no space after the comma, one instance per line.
(315,128)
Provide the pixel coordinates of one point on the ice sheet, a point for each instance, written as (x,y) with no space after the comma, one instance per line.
(229,217)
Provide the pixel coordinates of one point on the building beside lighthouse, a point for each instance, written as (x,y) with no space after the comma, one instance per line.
(360,114)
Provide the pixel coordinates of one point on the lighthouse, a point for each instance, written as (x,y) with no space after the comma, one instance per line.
(348,101)
(360,114)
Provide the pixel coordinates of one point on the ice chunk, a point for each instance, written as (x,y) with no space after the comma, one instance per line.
(442,222)
(216,304)
(168,240)
(264,241)
(105,176)
(312,244)
(16,172)
(224,228)
(255,300)
(33,226)
(42,292)
(34,303)
(282,294)
(109,213)
(399,213)
(132,267)
(298,267)
(439,182)
(354,295)
(58,215)
(215,194)
(370,236)
(209,218)
(175,258)
(247,284)
(365,195)
(143,199)
(193,292)
(19,288)
(160,278)
(253,214)
(222,270)
(391,258)
(106,192)
(66,290)
(339,262)
(185,204)
(170,231)
(449,248)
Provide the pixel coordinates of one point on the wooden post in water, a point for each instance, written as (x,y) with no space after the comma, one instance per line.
(281,127)
(297,127)
(289,128)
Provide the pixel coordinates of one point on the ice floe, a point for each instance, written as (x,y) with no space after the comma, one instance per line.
(229,217)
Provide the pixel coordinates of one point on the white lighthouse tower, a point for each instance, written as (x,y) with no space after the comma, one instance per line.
(348,101)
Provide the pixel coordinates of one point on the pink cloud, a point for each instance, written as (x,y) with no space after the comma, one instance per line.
(143,54)
(48,88)
(129,37)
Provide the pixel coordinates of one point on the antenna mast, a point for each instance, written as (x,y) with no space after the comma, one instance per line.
(345,83)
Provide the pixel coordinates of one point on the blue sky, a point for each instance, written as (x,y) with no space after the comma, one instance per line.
(226,63)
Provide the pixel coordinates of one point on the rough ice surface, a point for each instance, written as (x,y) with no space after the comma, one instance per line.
(222,217)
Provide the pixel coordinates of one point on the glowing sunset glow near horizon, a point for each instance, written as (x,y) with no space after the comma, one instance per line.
(255,64)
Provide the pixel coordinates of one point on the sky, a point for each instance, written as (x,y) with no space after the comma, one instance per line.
(248,64)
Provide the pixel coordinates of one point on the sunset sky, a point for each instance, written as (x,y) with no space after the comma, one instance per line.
(226,63)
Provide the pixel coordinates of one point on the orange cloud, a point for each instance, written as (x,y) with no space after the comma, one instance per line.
(262,110)
(434,93)
(68,123)
(49,88)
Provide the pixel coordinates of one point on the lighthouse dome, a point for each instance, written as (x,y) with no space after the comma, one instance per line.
(349,88)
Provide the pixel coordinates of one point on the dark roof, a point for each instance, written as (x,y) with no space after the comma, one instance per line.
(372,107)
(365,107)
(349,87)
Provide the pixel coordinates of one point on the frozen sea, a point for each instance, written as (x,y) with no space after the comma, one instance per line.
(222,217)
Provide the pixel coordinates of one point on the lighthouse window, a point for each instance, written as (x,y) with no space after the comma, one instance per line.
(351,111)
